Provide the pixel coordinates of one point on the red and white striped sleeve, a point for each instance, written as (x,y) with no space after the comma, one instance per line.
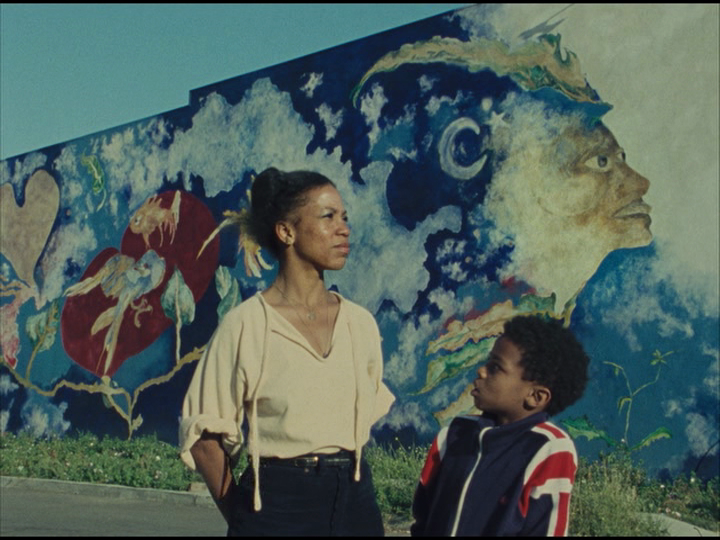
(434,457)
(424,491)
(548,483)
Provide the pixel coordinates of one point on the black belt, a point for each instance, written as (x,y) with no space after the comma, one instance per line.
(309,461)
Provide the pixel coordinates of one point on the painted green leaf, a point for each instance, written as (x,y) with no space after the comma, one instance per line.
(447,366)
(622,402)
(616,368)
(177,300)
(582,427)
(532,303)
(660,433)
(223,281)
(228,289)
(659,358)
(95,169)
(42,328)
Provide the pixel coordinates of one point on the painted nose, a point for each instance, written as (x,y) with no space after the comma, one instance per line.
(634,181)
(481,372)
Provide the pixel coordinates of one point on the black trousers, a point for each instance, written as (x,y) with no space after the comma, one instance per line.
(323,500)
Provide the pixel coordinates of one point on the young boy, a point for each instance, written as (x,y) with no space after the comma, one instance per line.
(509,471)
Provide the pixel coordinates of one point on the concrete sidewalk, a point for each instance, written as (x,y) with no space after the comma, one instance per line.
(36,507)
(33,507)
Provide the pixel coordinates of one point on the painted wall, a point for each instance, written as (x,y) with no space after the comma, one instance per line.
(496,160)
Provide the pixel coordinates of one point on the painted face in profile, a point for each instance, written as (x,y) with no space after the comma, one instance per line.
(595,189)
(564,198)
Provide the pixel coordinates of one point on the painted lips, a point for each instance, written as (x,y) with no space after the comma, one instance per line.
(635,209)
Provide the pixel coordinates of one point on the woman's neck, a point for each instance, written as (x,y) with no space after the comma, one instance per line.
(306,288)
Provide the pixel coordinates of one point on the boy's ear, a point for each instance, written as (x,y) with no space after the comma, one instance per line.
(538,398)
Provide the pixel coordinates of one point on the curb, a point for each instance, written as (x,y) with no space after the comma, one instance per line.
(198,496)
(679,528)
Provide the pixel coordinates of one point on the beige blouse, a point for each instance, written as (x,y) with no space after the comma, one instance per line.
(258,365)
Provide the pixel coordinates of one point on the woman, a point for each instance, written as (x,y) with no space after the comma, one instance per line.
(304,365)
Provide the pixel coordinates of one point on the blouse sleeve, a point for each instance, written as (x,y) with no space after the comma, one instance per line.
(384,398)
(213,402)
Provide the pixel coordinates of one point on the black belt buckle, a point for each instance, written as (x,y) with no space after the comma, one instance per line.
(307,462)
(311,461)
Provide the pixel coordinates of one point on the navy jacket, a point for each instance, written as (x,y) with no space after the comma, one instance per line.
(480,479)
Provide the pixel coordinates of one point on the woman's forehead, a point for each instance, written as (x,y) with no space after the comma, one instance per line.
(325,197)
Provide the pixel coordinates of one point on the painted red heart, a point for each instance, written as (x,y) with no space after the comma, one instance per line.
(139,328)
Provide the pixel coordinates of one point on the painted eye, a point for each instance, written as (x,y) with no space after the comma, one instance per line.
(598,163)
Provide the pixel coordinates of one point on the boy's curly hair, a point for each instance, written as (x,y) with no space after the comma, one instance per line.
(551,356)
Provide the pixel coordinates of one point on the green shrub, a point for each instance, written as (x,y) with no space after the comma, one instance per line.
(141,462)
(605,500)
(396,472)
(688,499)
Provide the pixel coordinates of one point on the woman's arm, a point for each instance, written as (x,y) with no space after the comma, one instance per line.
(213,464)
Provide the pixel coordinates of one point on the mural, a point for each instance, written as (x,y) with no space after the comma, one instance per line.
(495,160)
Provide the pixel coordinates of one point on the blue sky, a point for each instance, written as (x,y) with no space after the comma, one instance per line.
(68,70)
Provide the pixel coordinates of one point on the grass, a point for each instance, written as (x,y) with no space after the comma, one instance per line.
(610,496)
(141,462)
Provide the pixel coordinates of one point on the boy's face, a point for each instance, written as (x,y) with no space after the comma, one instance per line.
(500,389)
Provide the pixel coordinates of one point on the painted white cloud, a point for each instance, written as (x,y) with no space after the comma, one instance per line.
(484,21)
(426,83)
(66,164)
(449,255)
(409,414)
(711,381)
(371,104)
(43,419)
(132,158)
(401,367)
(631,296)
(7,385)
(701,429)
(314,80)
(386,261)
(434,104)
(262,130)
(701,433)
(73,242)
(22,171)
(332,120)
